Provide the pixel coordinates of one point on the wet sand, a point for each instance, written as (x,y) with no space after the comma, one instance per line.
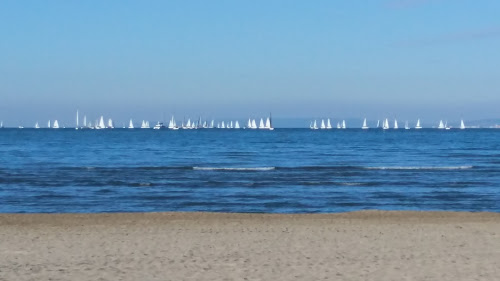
(368,245)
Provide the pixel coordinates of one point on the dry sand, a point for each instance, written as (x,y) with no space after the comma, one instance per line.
(371,245)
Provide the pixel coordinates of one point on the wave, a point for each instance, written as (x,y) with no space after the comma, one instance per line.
(340,168)
(421,168)
(234,168)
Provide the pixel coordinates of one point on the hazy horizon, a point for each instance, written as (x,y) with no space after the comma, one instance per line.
(430,59)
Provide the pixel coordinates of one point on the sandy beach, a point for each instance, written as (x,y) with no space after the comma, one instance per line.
(368,245)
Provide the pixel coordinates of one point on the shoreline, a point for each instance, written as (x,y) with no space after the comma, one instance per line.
(361,245)
(135,217)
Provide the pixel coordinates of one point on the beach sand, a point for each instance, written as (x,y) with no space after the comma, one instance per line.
(367,245)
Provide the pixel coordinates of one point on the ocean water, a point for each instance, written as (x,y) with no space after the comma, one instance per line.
(280,171)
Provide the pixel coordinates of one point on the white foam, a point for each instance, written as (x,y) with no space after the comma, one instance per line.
(421,168)
(234,168)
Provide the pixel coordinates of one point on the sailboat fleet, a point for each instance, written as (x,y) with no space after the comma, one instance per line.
(102,123)
(385,124)
(264,123)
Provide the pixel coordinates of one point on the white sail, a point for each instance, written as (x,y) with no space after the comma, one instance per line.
(406,126)
(223,125)
(237,125)
(55,125)
(231,125)
(378,123)
(343,124)
(338,125)
(48,125)
(396,124)
(254,124)
(77,121)
(172,124)
(268,123)
(328,124)
(261,124)
(386,124)
(111,125)
(323,126)
(130,124)
(84,120)
(101,123)
(364,127)
(249,123)
(37,126)
(188,124)
(315,125)
(441,124)
(462,125)
(418,126)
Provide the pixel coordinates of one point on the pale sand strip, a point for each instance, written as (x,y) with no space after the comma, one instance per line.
(370,245)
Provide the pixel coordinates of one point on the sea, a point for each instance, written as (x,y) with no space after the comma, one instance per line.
(249,171)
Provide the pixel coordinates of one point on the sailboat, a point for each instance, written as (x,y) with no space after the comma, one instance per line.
(55,125)
(1,124)
(236,125)
(84,121)
(212,124)
(314,125)
(446,126)
(145,124)
(418,126)
(406,126)
(328,124)
(269,125)
(261,124)
(396,124)
(200,124)
(48,125)
(101,124)
(338,125)
(462,125)
(111,125)
(378,123)
(130,124)
(172,125)
(441,124)
(37,126)
(364,127)
(323,126)
(343,124)
(254,124)
(77,121)
(385,126)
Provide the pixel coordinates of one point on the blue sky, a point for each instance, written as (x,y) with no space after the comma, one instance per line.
(434,59)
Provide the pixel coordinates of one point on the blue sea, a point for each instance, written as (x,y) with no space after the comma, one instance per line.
(280,171)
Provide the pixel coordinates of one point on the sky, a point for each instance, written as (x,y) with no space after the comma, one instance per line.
(406,59)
